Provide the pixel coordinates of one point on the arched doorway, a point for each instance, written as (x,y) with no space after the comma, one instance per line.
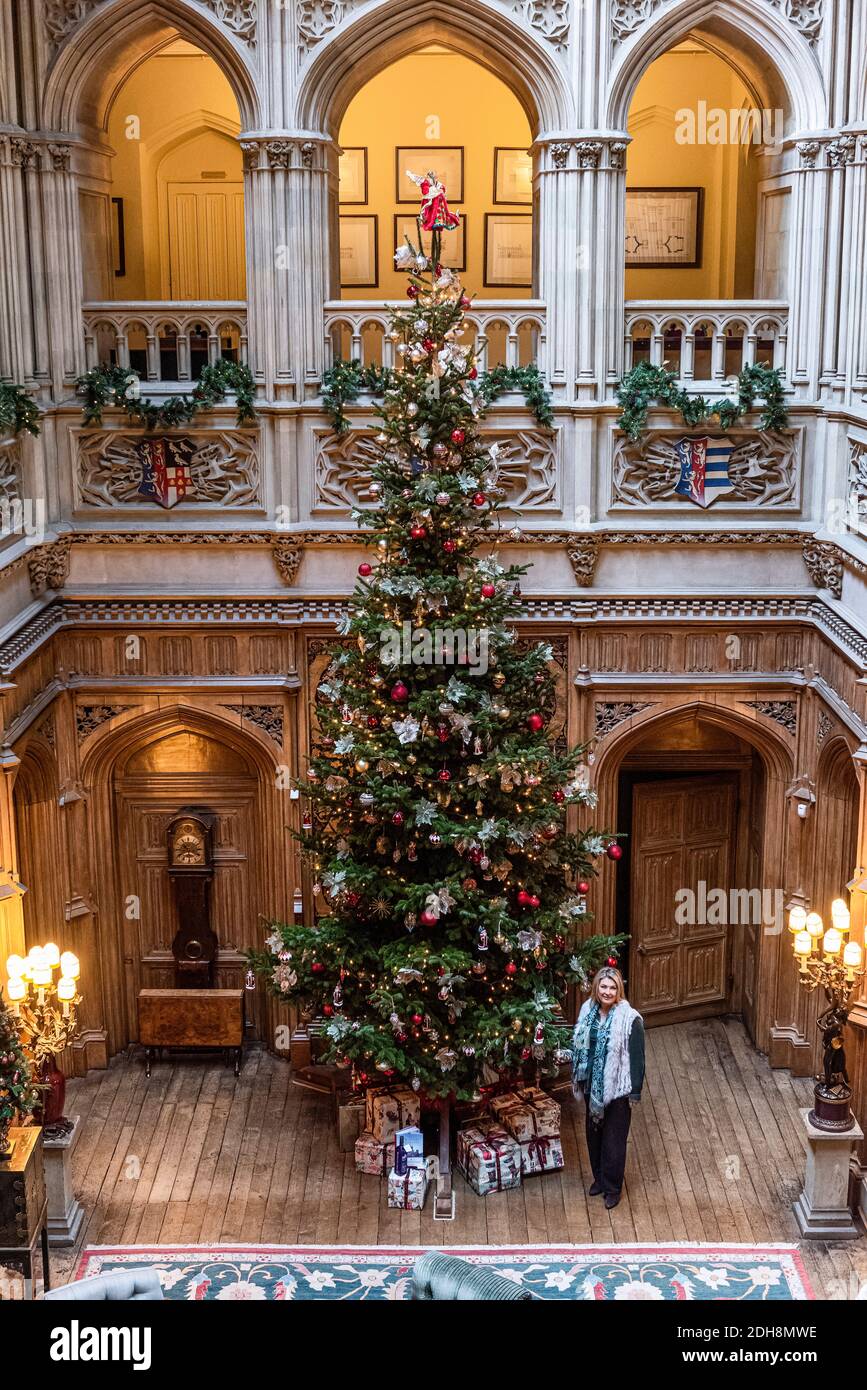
(690,798)
(700,891)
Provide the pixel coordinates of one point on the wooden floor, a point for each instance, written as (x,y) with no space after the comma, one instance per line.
(196,1156)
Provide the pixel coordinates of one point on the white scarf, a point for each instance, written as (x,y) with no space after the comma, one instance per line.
(617,1079)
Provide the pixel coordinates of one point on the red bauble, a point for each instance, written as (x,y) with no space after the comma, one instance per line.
(441,970)
(353,898)
(525,1053)
(465,302)
(612,960)
(488,590)
(614,851)
(450,547)
(473,373)
(417,1018)
(535,722)
(365,569)
(475,857)
(363,1077)
(399,693)
(373,721)
(511,968)
(418,533)
(583,886)
(443,733)
(479,499)
(559,943)
(428,344)
(428,919)
(458,436)
(317,967)
(397,818)
(401,1037)
(469,884)
(444,775)
(328,1010)
(412,291)
(524,898)
(559,796)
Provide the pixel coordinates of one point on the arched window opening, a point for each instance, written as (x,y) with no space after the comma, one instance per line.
(475,136)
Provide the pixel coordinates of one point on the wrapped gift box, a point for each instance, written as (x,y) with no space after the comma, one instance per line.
(407,1190)
(541,1154)
(350,1123)
(489,1157)
(528,1114)
(374,1155)
(390,1108)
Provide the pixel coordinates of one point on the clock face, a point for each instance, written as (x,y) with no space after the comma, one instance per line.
(188,844)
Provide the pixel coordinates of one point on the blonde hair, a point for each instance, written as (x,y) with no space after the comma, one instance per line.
(608,972)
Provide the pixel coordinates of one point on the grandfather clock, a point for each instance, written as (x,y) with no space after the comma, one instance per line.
(191,872)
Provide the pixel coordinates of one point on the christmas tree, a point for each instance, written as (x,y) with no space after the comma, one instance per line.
(18,1093)
(454,897)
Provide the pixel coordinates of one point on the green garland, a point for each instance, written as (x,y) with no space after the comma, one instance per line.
(344,382)
(18,411)
(646,385)
(103,387)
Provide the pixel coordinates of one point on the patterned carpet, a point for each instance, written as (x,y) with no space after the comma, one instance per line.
(740,1273)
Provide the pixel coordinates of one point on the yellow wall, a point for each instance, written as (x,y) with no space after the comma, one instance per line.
(728,173)
(179,93)
(475,109)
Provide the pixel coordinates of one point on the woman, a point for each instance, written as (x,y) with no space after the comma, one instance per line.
(608,1072)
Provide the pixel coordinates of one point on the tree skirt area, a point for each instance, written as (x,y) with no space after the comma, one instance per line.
(742,1273)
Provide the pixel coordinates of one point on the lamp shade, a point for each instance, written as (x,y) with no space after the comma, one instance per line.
(65,988)
(52,953)
(814,924)
(16,989)
(832,942)
(852,955)
(840,915)
(797,919)
(803,943)
(15,967)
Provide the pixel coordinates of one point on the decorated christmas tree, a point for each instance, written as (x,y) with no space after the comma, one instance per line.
(18,1092)
(451,899)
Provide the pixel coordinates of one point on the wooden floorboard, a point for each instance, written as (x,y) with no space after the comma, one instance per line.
(196,1156)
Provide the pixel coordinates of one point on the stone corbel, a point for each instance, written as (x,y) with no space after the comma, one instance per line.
(72,792)
(584,555)
(824,563)
(287,555)
(49,565)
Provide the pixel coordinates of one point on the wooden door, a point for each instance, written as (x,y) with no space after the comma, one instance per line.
(151,918)
(206,241)
(683,835)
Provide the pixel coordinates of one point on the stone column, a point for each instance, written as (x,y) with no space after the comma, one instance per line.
(17,355)
(291,217)
(809,214)
(822,1211)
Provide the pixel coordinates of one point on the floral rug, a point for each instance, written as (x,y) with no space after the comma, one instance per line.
(349,1274)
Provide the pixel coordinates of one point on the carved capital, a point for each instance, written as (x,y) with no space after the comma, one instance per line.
(560,153)
(809,152)
(589,153)
(60,156)
(287,558)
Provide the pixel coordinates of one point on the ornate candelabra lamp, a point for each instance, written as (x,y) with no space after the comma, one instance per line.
(830,961)
(46,1008)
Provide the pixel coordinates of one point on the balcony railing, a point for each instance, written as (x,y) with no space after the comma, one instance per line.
(504,332)
(165,341)
(706,340)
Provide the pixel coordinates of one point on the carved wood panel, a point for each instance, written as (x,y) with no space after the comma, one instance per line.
(683,838)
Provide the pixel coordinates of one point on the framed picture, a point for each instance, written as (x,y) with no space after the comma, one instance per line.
(664,227)
(508,250)
(352,186)
(446,161)
(454,244)
(513,175)
(359,251)
(118,237)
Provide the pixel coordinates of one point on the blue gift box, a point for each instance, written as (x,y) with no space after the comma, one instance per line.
(409,1150)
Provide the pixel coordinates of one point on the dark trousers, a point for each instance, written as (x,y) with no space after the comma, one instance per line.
(606,1143)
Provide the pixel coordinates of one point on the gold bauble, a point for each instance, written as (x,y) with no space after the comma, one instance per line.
(361,764)
(504,713)
(499,680)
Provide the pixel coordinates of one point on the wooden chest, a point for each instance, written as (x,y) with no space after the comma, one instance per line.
(22,1189)
(191,1017)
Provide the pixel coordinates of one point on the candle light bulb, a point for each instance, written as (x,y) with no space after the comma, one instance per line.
(16,967)
(797,919)
(814,925)
(852,955)
(803,943)
(840,915)
(52,953)
(832,942)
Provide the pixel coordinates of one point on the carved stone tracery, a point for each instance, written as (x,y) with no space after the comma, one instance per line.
(224,469)
(607,714)
(88,718)
(762,467)
(268,718)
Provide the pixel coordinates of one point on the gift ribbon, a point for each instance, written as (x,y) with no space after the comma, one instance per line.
(540,1143)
